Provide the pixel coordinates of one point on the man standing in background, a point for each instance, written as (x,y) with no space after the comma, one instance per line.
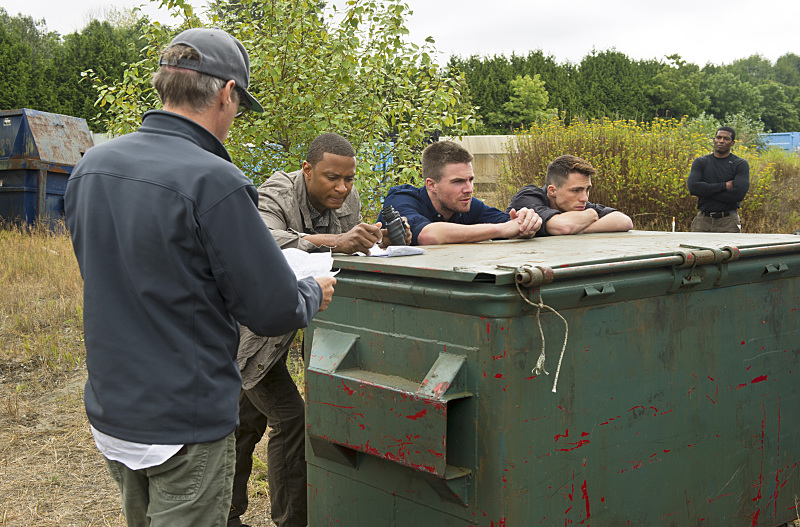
(720,181)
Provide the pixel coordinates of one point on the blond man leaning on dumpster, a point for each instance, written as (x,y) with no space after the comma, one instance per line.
(444,211)
(563,203)
(315,208)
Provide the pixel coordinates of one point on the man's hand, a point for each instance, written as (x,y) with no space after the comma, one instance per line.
(529,222)
(326,283)
(406,234)
(729,184)
(360,238)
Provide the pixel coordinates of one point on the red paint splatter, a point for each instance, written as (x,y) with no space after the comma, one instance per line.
(498,375)
(416,416)
(559,436)
(498,357)
(586,499)
(742,343)
(347,389)
(488,327)
(710,378)
(759,379)
(577,445)
(441,388)
(710,399)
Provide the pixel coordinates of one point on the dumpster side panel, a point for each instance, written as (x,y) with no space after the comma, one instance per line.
(669,411)
(674,409)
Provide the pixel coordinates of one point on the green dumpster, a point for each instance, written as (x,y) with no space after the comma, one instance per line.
(633,378)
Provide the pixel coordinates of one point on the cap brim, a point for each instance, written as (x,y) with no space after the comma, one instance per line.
(252,104)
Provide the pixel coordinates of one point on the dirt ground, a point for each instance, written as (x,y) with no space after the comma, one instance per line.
(51,473)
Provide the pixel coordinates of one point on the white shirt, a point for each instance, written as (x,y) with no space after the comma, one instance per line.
(135,456)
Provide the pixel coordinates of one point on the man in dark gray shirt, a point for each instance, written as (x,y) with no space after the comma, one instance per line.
(174,256)
(563,203)
(720,181)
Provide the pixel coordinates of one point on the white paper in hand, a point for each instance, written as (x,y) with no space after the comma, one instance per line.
(309,264)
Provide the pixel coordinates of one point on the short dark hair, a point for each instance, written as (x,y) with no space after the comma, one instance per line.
(729,130)
(559,169)
(441,153)
(328,143)
(178,86)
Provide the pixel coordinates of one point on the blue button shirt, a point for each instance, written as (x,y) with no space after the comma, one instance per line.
(415,204)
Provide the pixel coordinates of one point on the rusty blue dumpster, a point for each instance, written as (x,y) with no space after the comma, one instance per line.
(37,153)
(638,378)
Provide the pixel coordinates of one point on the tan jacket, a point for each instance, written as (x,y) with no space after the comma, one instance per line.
(283,205)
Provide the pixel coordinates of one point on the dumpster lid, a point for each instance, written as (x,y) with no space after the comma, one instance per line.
(499,261)
(49,137)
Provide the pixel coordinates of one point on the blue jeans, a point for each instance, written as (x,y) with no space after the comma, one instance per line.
(190,489)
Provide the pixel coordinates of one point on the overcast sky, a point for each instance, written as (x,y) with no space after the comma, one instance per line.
(699,31)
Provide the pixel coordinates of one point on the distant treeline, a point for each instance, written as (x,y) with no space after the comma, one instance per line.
(42,70)
(610,84)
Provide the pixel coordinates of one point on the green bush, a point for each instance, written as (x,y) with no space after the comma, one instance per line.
(642,169)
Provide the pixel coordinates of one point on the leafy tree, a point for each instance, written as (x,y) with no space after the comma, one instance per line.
(528,103)
(779,105)
(675,90)
(17,73)
(104,49)
(787,70)
(611,85)
(352,72)
(488,81)
(25,53)
(729,95)
(754,69)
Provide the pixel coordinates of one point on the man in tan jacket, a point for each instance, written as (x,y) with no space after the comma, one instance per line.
(312,209)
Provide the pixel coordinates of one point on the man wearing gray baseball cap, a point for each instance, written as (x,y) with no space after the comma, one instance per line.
(174,256)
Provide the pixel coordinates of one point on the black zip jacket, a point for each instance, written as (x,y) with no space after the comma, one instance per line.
(173,252)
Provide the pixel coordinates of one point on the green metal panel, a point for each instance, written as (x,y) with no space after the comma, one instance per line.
(676,402)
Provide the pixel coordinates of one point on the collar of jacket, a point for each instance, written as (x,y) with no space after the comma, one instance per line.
(168,123)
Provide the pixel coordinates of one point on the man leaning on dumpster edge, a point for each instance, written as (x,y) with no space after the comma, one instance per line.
(720,181)
(314,208)
(444,211)
(173,253)
(563,203)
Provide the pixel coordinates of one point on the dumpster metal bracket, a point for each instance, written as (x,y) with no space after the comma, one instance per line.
(349,405)
(444,377)
(333,452)
(454,487)
(331,350)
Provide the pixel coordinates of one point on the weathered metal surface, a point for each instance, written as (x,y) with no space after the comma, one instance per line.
(48,137)
(676,402)
(37,153)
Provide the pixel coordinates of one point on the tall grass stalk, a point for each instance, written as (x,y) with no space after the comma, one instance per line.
(41,303)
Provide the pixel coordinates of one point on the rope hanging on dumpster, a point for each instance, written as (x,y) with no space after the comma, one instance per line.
(539,368)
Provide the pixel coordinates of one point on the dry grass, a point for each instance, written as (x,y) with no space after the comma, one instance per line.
(51,473)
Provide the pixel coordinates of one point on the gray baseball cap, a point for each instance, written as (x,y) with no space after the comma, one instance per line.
(221,56)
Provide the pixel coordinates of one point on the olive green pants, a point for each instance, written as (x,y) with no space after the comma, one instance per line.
(190,489)
(730,223)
